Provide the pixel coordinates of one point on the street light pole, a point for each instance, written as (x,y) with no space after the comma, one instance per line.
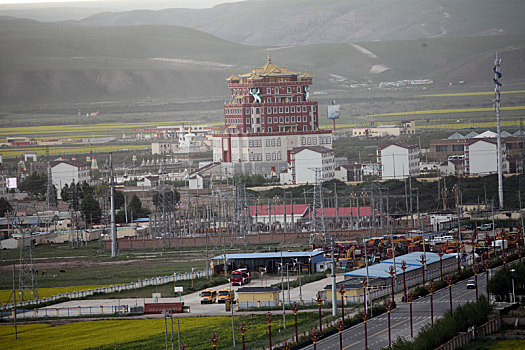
(431,290)
(513,294)
(449,281)
(410,299)
(404,267)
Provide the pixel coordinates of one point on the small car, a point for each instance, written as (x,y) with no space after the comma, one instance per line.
(471,284)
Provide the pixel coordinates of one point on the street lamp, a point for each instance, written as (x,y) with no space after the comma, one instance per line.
(340,327)
(404,267)
(440,254)
(487,268)
(431,291)
(449,281)
(392,272)
(475,270)
(410,299)
(214,340)
(319,300)
(423,261)
(295,318)
(513,294)
(298,264)
(269,320)
(342,292)
(243,330)
(313,335)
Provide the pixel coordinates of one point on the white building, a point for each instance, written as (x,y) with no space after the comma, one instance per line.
(67,171)
(481,157)
(397,161)
(263,153)
(349,172)
(404,128)
(305,161)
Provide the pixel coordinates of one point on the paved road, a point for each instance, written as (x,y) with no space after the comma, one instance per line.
(353,338)
(70,308)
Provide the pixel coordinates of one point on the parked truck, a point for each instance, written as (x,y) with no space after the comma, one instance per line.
(240,277)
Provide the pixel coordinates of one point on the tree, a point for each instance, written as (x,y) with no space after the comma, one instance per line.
(34,184)
(171,196)
(135,208)
(5,206)
(65,193)
(90,208)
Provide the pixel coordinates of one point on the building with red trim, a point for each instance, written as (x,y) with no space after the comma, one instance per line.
(270,113)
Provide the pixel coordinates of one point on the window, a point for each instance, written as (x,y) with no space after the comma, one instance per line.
(298,89)
(281,120)
(460,148)
(276,90)
(304,108)
(273,142)
(293,119)
(286,110)
(303,141)
(269,120)
(247,120)
(247,111)
(305,128)
(314,140)
(292,109)
(289,90)
(269,110)
(275,120)
(278,141)
(280,109)
(269,100)
(279,155)
(250,143)
(305,118)
(274,157)
(268,156)
(268,90)
(309,140)
(287,119)
(267,142)
(269,129)
(313,108)
(257,110)
(299,99)
(274,110)
(441,148)
(508,146)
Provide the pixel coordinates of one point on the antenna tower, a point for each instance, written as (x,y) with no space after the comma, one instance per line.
(497,105)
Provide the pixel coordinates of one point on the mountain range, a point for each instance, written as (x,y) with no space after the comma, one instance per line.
(187,53)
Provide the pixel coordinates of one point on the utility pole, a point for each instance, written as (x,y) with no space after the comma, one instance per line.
(334,292)
(112,208)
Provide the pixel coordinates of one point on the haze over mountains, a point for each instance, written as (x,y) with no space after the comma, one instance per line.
(187,53)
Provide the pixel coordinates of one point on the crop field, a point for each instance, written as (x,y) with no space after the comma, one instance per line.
(195,332)
(44,292)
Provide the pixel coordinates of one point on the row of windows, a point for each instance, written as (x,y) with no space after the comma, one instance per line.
(273,156)
(287,109)
(269,90)
(270,120)
(255,143)
(273,142)
(256,156)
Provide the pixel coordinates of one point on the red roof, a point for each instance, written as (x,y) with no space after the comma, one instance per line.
(278,209)
(345,212)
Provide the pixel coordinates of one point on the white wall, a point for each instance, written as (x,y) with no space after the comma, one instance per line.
(482,158)
(394,162)
(64,173)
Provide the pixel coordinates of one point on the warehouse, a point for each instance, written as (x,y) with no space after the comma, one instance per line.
(309,262)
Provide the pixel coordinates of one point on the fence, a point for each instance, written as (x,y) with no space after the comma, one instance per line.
(72,311)
(155,281)
(459,341)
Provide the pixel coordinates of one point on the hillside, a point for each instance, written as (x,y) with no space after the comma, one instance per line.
(70,63)
(301,22)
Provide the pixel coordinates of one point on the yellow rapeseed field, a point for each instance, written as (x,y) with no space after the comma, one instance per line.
(479,93)
(45,292)
(447,111)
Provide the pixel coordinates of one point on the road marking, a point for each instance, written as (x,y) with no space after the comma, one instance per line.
(373,335)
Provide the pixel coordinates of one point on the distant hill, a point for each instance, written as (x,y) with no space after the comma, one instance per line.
(56,62)
(301,22)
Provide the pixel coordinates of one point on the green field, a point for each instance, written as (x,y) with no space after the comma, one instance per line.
(195,332)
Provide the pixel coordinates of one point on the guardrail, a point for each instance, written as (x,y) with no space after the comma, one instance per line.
(154,281)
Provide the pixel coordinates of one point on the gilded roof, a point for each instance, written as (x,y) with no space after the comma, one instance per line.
(268,70)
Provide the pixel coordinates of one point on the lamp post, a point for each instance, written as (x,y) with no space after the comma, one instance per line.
(392,272)
(423,261)
(342,292)
(458,250)
(269,320)
(449,281)
(388,309)
(319,301)
(487,267)
(214,340)
(513,295)
(475,270)
(365,318)
(340,327)
(440,254)
(404,267)
(410,299)
(431,291)
(295,319)
(243,330)
(313,336)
